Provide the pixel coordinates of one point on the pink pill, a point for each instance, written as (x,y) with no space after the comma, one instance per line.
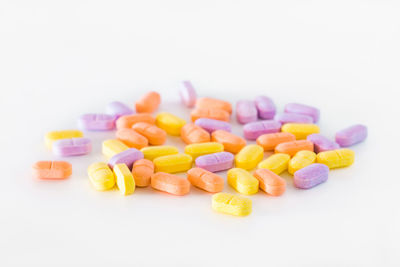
(321,143)
(188,94)
(128,157)
(118,109)
(265,107)
(303,109)
(253,130)
(211,125)
(216,162)
(246,111)
(72,147)
(293,117)
(351,135)
(311,176)
(96,122)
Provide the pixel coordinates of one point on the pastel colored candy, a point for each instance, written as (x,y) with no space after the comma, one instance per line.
(72,147)
(270,141)
(311,176)
(153,152)
(265,107)
(270,182)
(191,134)
(188,94)
(118,109)
(303,110)
(200,149)
(293,117)
(208,102)
(148,103)
(211,125)
(156,136)
(253,130)
(292,147)
(173,163)
(300,160)
(50,137)
(131,138)
(216,162)
(242,181)
(101,176)
(232,143)
(231,204)
(112,147)
(210,113)
(127,121)
(96,122)
(249,157)
(52,170)
(170,123)
(276,163)
(142,171)
(321,143)
(338,158)
(246,111)
(170,183)
(205,180)
(124,179)
(351,135)
(300,130)
(127,157)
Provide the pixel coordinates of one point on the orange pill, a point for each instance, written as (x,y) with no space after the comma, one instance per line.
(142,171)
(52,170)
(270,141)
(232,143)
(127,121)
(148,103)
(270,182)
(170,183)
(191,134)
(210,113)
(156,136)
(208,102)
(205,180)
(131,138)
(293,147)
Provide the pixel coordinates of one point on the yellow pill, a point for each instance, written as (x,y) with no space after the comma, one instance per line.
(170,123)
(199,149)
(300,160)
(124,178)
(242,181)
(50,137)
(276,163)
(300,130)
(336,158)
(231,204)
(112,147)
(173,163)
(101,176)
(249,156)
(152,152)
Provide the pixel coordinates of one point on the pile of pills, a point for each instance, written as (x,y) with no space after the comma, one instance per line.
(137,157)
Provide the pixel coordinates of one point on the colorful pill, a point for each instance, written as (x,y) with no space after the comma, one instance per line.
(311,176)
(170,123)
(210,113)
(249,157)
(200,149)
(52,170)
(118,109)
(142,171)
(192,134)
(300,130)
(242,181)
(72,147)
(205,180)
(50,137)
(253,130)
(153,152)
(173,163)
(96,122)
(265,107)
(232,143)
(131,138)
(154,135)
(101,176)
(246,111)
(303,110)
(112,147)
(276,163)
(321,143)
(188,94)
(207,102)
(148,103)
(231,204)
(211,125)
(270,141)
(300,160)
(351,135)
(216,162)
(170,183)
(127,157)
(293,118)
(270,182)
(292,147)
(127,121)
(124,179)
(336,158)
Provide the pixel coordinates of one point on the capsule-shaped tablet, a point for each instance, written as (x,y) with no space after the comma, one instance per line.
(153,152)
(148,103)
(173,163)
(270,141)
(231,204)
(96,122)
(232,143)
(72,147)
(101,176)
(321,143)
(154,135)
(276,163)
(170,123)
(303,110)
(127,157)
(216,162)
(124,179)
(270,182)
(205,180)
(112,147)
(142,171)
(249,157)
(300,130)
(131,138)
(351,135)
(300,160)
(52,170)
(50,137)
(192,134)
(210,113)
(211,125)
(246,111)
(242,181)
(336,158)
(253,130)
(292,147)
(118,109)
(265,107)
(200,149)
(188,94)
(170,183)
(127,121)
(311,176)
(208,102)
(293,118)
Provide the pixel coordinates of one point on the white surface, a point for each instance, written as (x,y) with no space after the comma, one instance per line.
(59,60)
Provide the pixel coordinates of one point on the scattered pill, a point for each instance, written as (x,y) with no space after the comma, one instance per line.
(246,111)
(265,107)
(205,180)
(208,102)
(300,160)
(52,170)
(293,118)
(192,134)
(173,163)
(188,94)
(153,152)
(253,130)
(216,162)
(231,204)
(131,138)
(270,141)
(127,121)
(351,135)
(242,181)
(292,147)
(127,157)
(154,135)
(170,123)
(50,137)
(338,158)
(101,176)
(142,171)
(300,130)
(303,109)
(72,147)
(170,183)
(249,157)
(96,122)
(232,143)
(321,143)
(124,179)
(270,182)
(196,150)
(311,176)
(276,163)
(211,125)
(112,147)
(118,109)
(148,103)
(210,113)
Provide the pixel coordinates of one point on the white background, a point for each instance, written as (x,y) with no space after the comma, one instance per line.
(60,59)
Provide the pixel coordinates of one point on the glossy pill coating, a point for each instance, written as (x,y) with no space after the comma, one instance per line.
(253,130)
(131,138)
(154,135)
(232,143)
(173,163)
(231,204)
(153,152)
(142,171)
(208,102)
(72,147)
(124,179)
(321,143)
(311,176)
(270,182)
(246,111)
(170,123)
(270,141)
(170,183)
(148,103)
(205,180)
(303,110)
(127,121)
(351,135)
(50,137)
(338,158)
(249,157)
(210,113)
(127,157)
(242,181)
(300,130)
(52,170)
(192,134)
(200,149)
(292,147)
(211,125)
(293,118)
(112,147)
(265,107)
(101,176)
(300,160)
(96,122)
(276,163)
(118,109)
(188,94)
(216,162)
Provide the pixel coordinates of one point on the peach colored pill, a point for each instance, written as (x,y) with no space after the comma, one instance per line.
(131,138)
(148,103)
(270,182)
(232,143)
(154,135)
(191,134)
(170,183)
(207,102)
(210,113)
(52,170)
(292,147)
(142,171)
(205,180)
(270,141)
(127,121)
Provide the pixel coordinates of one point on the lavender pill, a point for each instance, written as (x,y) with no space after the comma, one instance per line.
(246,111)
(352,135)
(96,122)
(293,118)
(303,110)
(216,162)
(253,130)
(265,107)
(118,109)
(127,157)
(211,125)
(321,143)
(311,176)
(72,147)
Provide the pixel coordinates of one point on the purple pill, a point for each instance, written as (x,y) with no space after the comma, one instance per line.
(246,111)
(265,107)
(303,109)
(72,147)
(211,125)
(128,157)
(188,94)
(293,117)
(216,162)
(118,109)
(321,143)
(311,176)
(351,135)
(253,130)
(96,122)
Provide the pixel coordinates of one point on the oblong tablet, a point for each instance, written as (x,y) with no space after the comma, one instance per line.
(265,107)
(270,141)
(200,149)
(300,160)
(153,152)
(205,180)
(131,138)
(253,130)
(127,157)
(242,181)
(293,118)
(303,109)
(231,204)
(124,179)
(249,157)
(72,147)
(276,163)
(118,109)
(351,135)
(127,121)
(170,123)
(208,102)
(154,135)
(142,171)
(270,182)
(50,137)
(210,113)
(336,158)
(246,111)
(188,94)
(211,125)
(321,143)
(232,143)
(173,163)
(292,147)
(101,176)
(170,183)
(148,103)
(112,147)
(52,170)
(96,122)
(311,176)
(192,134)
(216,162)
(300,130)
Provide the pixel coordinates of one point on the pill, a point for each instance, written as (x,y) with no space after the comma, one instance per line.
(292,147)
(153,152)
(242,181)
(118,109)
(321,143)
(72,147)
(351,135)
(276,163)
(215,162)
(253,130)
(112,147)
(142,171)
(170,123)
(196,150)
(249,157)
(50,137)
(188,94)
(127,157)
(127,121)
(231,204)
(294,118)
(232,143)
(205,180)
(300,130)
(265,107)
(246,111)
(338,158)
(52,170)
(211,125)
(210,113)
(208,102)
(173,163)
(300,160)
(96,122)
(101,176)
(154,135)
(131,138)
(270,182)
(148,103)
(170,183)
(191,134)
(303,109)
(270,141)
(124,179)
(311,176)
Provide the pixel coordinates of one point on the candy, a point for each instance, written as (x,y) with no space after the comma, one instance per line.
(153,152)
(270,141)
(127,157)
(249,157)
(124,179)
(142,171)
(300,160)
(96,122)
(72,147)
(112,147)
(246,111)
(52,170)
(207,102)
(170,183)
(270,182)
(196,150)
(211,125)
(232,143)
(187,94)
(127,121)
(101,176)
(321,143)
(191,134)
(265,107)
(154,135)
(303,110)
(131,138)
(292,147)
(351,135)
(242,181)
(50,137)
(293,117)
(205,180)
(300,130)
(118,109)
(231,204)
(336,158)
(170,123)
(216,162)
(311,176)
(276,163)
(253,130)
(210,113)
(173,163)
(148,103)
